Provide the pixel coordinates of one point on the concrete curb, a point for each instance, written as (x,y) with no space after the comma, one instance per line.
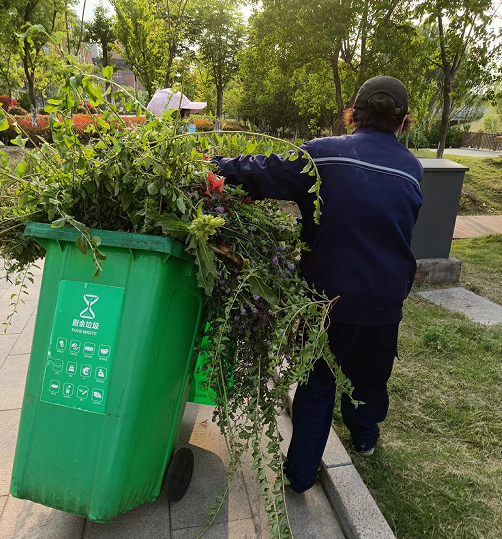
(352,503)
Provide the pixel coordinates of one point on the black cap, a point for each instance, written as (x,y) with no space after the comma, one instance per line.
(383,85)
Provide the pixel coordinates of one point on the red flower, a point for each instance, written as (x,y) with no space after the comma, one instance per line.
(214,185)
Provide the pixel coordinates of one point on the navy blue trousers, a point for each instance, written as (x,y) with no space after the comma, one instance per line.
(366,356)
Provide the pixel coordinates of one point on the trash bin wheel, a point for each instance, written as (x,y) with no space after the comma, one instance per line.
(179,474)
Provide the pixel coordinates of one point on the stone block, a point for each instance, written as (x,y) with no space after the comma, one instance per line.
(357,512)
(438,270)
(464,301)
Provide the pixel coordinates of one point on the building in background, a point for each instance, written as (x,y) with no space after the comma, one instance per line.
(122,72)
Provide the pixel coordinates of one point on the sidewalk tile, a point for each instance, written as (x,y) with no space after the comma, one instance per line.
(464,301)
(23,344)
(237,529)
(33,289)
(20,319)
(150,520)
(198,429)
(38,271)
(3,501)
(12,381)
(9,422)
(6,344)
(310,513)
(208,479)
(23,519)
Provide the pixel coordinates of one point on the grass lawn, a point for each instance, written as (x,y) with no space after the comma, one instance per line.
(437,470)
(481,265)
(482,191)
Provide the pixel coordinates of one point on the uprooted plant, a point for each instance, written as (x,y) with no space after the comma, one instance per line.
(266,326)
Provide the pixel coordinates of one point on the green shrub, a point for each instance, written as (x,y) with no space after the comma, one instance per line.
(24,101)
(18,111)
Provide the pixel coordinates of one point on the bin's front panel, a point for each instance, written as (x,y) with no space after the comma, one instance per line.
(82,346)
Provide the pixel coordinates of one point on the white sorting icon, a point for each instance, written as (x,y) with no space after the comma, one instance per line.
(90,300)
(85,370)
(104,351)
(97,395)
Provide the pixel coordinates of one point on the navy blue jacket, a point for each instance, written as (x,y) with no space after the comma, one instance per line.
(371,197)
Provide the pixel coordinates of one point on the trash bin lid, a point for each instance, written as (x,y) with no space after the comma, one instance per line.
(110,238)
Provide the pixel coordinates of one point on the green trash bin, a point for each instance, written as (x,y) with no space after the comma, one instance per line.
(109,375)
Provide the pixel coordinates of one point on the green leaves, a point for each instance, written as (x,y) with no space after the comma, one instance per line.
(108,72)
(152,189)
(19,141)
(60,223)
(21,168)
(257,287)
(82,244)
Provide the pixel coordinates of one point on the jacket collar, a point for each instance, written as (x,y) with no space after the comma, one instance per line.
(373,130)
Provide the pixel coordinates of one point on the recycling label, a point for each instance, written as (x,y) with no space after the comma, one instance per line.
(82,346)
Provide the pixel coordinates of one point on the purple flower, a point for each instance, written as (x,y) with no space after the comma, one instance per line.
(254,311)
(247,365)
(282,248)
(221,283)
(287,358)
(228,291)
(219,209)
(237,318)
(268,343)
(275,262)
(243,311)
(220,274)
(291,267)
(256,298)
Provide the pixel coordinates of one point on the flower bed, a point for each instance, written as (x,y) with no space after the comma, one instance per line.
(81,123)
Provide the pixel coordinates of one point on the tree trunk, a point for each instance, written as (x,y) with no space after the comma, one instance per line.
(31,86)
(338,126)
(172,54)
(33,99)
(219,106)
(445,118)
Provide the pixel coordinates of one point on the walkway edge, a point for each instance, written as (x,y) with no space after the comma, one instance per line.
(351,501)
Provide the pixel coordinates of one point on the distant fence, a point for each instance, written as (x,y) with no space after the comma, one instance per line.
(488,141)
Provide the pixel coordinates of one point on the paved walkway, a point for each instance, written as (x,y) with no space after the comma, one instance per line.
(243,516)
(464,301)
(469,152)
(474,226)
